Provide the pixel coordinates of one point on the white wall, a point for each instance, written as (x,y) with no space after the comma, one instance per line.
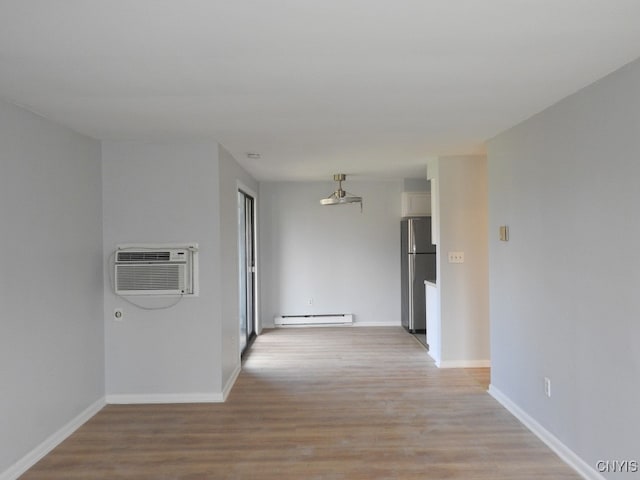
(51,340)
(231,175)
(464,300)
(564,289)
(172,193)
(463,288)
(163,193)
(347,262)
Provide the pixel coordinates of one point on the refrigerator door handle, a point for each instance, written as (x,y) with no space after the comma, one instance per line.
(411,237)
(412,275)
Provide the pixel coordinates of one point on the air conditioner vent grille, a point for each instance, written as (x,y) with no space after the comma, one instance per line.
(138,256)
(150,277)
(150,269)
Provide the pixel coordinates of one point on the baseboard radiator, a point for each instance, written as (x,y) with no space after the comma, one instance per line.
(329,319)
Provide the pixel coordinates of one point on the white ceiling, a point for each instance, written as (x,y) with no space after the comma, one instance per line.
(372,88)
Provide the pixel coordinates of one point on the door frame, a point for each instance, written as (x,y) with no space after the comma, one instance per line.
(241,187)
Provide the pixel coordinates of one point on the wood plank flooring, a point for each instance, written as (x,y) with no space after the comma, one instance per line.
(317,403)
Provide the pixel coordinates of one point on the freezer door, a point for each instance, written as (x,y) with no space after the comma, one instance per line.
(419,235)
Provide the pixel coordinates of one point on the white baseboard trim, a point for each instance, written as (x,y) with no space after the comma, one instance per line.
(230,383)
(313,320)
(354,324)
(463,363)
(126,399)
(35,455)
(565,453)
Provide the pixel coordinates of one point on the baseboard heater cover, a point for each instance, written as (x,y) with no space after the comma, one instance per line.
(328,319)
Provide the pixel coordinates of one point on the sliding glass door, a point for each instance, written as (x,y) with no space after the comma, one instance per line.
(247,268)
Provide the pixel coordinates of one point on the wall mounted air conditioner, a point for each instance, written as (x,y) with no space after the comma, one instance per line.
(148,270)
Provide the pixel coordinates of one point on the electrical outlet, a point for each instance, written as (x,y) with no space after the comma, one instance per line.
(118,314)
(456,257)
(547,387)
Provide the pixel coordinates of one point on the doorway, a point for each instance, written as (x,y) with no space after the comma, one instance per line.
(247,269)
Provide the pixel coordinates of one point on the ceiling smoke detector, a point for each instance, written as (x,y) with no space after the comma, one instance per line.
(340,196)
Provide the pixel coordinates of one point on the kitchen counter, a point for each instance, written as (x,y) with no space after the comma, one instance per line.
(432,309)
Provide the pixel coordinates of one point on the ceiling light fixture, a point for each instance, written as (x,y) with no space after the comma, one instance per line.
(340,196)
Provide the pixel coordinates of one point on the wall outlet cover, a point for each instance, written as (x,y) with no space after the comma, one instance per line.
(456,257)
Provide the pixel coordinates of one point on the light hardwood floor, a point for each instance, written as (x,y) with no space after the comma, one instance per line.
(317,403)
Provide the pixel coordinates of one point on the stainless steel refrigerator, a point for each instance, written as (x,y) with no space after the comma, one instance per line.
(418,256)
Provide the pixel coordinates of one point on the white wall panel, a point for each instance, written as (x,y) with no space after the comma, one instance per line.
(564,300)
(340,260)
(51,333)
